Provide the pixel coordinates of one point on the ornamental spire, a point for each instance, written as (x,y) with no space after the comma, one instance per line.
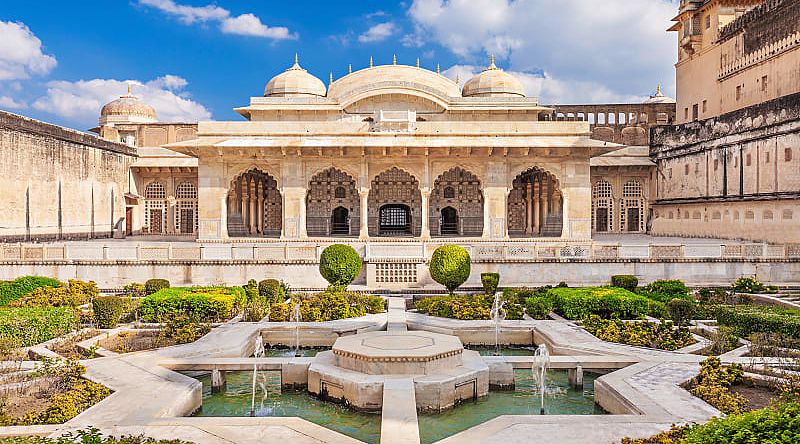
(349,68)
(394,59)
(417,62)
(438,69)
(370,61)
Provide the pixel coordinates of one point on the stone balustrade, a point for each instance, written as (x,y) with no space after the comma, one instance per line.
(390,252)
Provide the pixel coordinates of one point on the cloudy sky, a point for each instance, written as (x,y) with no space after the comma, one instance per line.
(60,61)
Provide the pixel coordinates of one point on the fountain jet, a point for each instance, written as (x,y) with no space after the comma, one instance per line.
(296,318)
(498,314)
(541,362)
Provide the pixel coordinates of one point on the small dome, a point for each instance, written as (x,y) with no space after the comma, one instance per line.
(493,82)
(295,81)
(659,97)
(127,109)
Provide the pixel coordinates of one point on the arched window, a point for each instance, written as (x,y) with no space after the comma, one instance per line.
(155,208)
(631,216)
(602,206)
(449,193)
(186,208)
(340,193)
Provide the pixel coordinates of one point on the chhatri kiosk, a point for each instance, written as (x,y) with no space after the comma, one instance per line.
(397,152)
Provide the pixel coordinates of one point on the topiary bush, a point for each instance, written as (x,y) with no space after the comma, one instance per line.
(153,285)
(340,265)
(450,266)
(108,310)
(13,290)
(271,291)
(681,310)
(625,281)
(490,281)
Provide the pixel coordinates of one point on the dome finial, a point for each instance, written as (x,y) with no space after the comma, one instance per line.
(330,79)
(417,62)
(370,61)
(394,59)
(129,89)
(438,69)
(296,59)
(658,89)
(491,62)
(349,68)
(458,79)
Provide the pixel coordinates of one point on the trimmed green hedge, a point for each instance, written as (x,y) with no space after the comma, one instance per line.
(773,425)
(153,285)
(27,326)
(340,265)
(626,281)
(108,310)
(666,290)
(328,306)
(450,266)
(490,281)
(606,302)
(200,304)
(468,307)
(271,291)
(73,294)
(13,290)
(747,319)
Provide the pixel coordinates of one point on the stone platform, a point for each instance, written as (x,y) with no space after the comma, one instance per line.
(355,370)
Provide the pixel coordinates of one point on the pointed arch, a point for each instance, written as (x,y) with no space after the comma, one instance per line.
(535,204)
(328,191)
(255,206)
(391,192)
(602,206)
(459,190)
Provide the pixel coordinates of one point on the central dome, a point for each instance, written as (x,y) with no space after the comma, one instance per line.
(493,82)
(295,81)
(127,109)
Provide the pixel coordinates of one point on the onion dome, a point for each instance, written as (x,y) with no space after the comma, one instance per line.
(295,81)
(127,109)
(659,97)
(493,82)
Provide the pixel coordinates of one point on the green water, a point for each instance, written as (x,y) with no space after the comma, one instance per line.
(286,352)
(559,399)
(488,350)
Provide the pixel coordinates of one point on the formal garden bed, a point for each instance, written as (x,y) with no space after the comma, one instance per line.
(88,436)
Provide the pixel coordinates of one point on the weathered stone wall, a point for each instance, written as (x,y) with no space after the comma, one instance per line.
(56,183)
(765,24)
(736,175)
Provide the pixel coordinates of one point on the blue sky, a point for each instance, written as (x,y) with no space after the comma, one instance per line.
(197,59)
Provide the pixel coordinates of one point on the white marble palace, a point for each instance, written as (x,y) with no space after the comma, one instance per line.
(386,151)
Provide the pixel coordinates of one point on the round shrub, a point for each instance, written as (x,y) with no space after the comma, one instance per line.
(339,265)
(625,281)
(153,285)
(450,266)
(490,282)
(538,307)
(680,310)
(107,311)
(271,291)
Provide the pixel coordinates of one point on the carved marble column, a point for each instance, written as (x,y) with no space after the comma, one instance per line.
(426,195)
(363,194)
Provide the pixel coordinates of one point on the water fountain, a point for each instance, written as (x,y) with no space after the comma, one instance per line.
(498,314)
(296,318)
(259,352)
(541,362)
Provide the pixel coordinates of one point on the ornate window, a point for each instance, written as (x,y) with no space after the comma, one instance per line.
(602,206)
(449,193)
(186,208)
(155,208)
(631,217)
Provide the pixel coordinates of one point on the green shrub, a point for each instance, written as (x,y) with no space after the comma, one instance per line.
(153,285)
(29,326)
(327,306)
(450,266)
(87,436)
(774,425)
(747,319)
(183,329)
(73,294)
(713,386)
(680,310)
(538,307)
(490,281)
(340,265)
(748,285)
(477,307)
(665,290)
(606,302)
(272,291)
(108,310)
(626,281)
(640,333)
(13,290)
(135,290)
(200,304)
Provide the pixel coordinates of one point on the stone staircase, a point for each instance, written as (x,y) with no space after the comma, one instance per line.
(236,226)
(552,227)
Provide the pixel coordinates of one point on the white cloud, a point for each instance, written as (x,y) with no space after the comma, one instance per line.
(245,24)
(10,103)
(81,101)
(21,53)
(378,33)
(591,51)
(550,90)
(249,24)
